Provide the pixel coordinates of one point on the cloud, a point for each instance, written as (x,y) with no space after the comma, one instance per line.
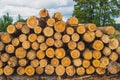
(117,20)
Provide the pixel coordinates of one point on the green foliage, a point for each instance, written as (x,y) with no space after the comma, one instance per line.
(20,19)
(115,36)
(4,22)
(100,12)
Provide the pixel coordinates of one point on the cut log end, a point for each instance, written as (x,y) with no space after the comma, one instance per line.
(49,69)
(81,29)
(20,71)
(98,45)
(8,70)
(29,70)
(60,53)
(70,70)
(66,61)
(80,71)
(57,16)
(6,38)
(44,13)
(51,22)
(60,70)
(113,44)
(73,21)
(11,29)
(75,53)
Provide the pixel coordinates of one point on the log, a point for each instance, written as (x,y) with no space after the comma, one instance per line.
(70,70)
(50,41)
(75,37)
(113,44)
(49,69)
(43,62)
(1,71)
(19,25)
(8,70)
(26,44)
(25,29)
(22,62)
(54,62)
(29,70)
(43,46)
(34,63)
(22,37)
(72,45)
(77,62)
(35,46)
(97,54)
(90,70)
(98,45)
(12,62)
(75,53)
(89,36)
(40,54)
(2,45)
(15,42)
(44,13)
(118,49)
(60,70)
(40,39)
(31,55)
(38,30)
(85,63)
(20,53)
(100,71)
(60,26)
(51,22)
(57,36)
(50,52)
(90,26)
(57,16)
(66,61)
(104,62)
(106,51)
(6,38)
(58,43)
(80,71)
(65,38)
(98,33)
(114,56)
(4,57)
(70,30)
(39,70)
(32,37)
(48,31)
(32,22)
(20,70)
(81,45)
(105,38)
(87,54)
(81,29)
(60,53)
(96,63)
(11,29)
(9,48)
(1,64)
(72,21)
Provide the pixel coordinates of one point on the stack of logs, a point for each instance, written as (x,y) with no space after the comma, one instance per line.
(48,45)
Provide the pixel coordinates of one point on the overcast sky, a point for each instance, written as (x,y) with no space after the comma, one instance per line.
(28,8)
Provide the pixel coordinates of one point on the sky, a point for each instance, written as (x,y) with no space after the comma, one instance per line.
(28,8)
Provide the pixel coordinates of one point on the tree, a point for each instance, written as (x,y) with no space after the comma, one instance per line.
(5,20)
(100,12)
(20,19)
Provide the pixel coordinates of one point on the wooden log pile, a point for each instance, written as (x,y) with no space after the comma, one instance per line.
(48,45)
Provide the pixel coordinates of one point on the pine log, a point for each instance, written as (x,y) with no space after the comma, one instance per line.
(90,70)
(60,53)
(58,43)
(32,22)
(40,54)
(8,70)
(50,52)
(89,36)
(75,37)
(35,46)
(1,71)
(72,45)
(34,63)
(26,44)
(98,45)
(43,62)
(1,64)
(96,63)
(22,62)
(20,70)
(20,53)
(118,50)
(51,22)
(65,38)
(104,62)
(43,46)
(49,69)
(57,36)
(12,62)
(105,38)
(44,13)
(87,54)
(81,29)
(73,21)
(29,70)
(75,53)
(77,62)
(81,45)
(31,55)
(98,33)
(100,71)
(40,39)
(9,48)
(39,70)
(97,54)
(2,45)
(106,51)
(70,70)
(60,70)
(4,57)
(80,71)
(6,38)
(32,37)
(19,25)
(70,30)
(37,30)
(114,56)
(15,42)
(54,62)
(90,26)
(113,44)
(66,61)
(57,16)
(11,29)
(86,63)
(60,26)
(22,37)
(25,29)
(50,41)
(48,31)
